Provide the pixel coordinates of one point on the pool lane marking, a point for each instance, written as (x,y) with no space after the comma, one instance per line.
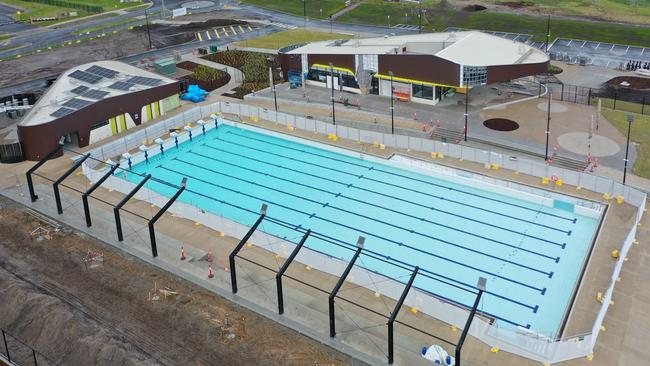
(534,308)
(541,290)
(350,185)
(568,232)
(327,204)
(339,194)
(400,175)
(427,274)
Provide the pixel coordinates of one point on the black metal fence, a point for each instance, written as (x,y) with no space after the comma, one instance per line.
(612,97)
(17,352)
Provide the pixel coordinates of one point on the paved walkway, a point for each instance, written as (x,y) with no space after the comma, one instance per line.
(236,76)
(346,9)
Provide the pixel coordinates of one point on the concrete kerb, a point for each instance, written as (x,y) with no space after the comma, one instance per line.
(142,253)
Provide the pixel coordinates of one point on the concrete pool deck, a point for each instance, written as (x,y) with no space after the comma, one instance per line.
(620,343)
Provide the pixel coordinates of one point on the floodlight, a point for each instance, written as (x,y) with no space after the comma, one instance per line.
(263,208)
(482,281)
(184,182)
(360,241)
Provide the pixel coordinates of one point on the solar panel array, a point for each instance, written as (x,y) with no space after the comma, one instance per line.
(61,112)
(141,80)
(102,71)
(80,89)
(85,77)
(77,103)
(95,94)
(122,85)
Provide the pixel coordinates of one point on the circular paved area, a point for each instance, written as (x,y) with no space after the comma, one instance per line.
(577,142)
(555,107)
(197,4)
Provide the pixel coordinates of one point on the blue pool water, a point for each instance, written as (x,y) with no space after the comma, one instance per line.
(531,254)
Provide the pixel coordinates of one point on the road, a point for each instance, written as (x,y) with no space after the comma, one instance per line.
(34,38)
(40,38)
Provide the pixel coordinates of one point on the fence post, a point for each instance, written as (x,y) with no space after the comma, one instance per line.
(562,94)
(589,97)
(575,94)
(4,338)
(643,106)
(614,101)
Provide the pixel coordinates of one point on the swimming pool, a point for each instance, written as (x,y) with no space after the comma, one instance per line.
(532,254)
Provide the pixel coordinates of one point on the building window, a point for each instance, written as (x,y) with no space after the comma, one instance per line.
(474,75)
(422,91)
(320,74)
(99,125)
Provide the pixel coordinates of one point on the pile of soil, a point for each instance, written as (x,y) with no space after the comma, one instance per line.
(475,7)
(205,85)
(636,82)
(501,124)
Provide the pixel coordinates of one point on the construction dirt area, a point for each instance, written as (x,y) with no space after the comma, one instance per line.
(80,302)
(111,46)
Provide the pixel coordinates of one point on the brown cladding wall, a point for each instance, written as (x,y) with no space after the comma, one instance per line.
(290,62)
(346,61)
(40,139)
(421,67)
(496,74)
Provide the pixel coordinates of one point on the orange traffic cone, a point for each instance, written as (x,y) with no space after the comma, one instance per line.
(183,252)
(210,274)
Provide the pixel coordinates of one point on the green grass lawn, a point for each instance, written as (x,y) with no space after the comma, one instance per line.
(38,10)
(4,37)
(622,105)
(315,9)
(105,26)
(286,38)
(640,134)
(617,10)
(438,17)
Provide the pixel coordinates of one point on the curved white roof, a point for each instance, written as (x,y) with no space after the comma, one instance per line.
(83,85)
(471,48)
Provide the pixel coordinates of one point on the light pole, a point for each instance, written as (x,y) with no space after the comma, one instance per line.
(388,21)
(392,106)
(420,18)
(548,33)
(275,98)
(466,109)
(548,120)
(332,80)
(330,23)
(630,119)
(146,16)
(304,13)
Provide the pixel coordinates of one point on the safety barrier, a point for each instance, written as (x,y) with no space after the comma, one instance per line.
(521,341)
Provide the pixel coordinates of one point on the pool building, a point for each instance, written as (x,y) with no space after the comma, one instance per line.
(423,68)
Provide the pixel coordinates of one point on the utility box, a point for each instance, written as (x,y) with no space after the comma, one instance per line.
(203,51)
(165,66)
(213,48)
